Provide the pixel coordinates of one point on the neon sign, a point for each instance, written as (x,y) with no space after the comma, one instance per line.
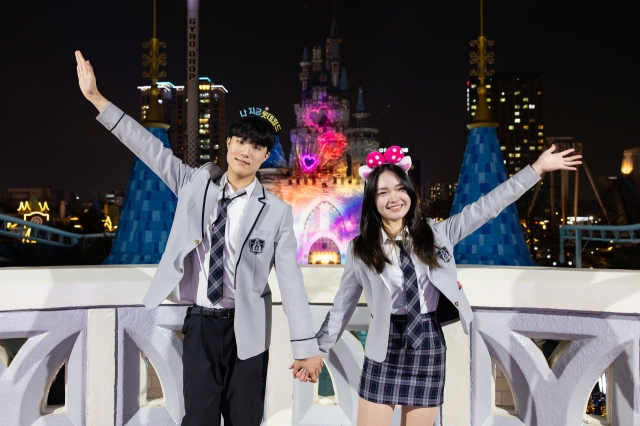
(262,113)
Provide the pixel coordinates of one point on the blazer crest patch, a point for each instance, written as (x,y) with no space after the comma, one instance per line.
(256,245)
(443,254)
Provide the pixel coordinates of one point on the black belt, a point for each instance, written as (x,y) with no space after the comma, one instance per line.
(211,312)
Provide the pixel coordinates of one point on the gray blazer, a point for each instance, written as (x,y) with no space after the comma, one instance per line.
(453,306)
(267,220)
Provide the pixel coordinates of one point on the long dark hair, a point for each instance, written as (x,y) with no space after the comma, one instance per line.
(368,247)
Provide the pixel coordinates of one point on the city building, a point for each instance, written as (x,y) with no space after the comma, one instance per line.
(515,101)
(211,118)
(115,197)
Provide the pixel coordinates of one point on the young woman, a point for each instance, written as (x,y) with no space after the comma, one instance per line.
(405,266)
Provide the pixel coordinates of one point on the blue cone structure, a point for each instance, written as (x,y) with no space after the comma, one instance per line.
(146,216)
(277,159)
(501,240)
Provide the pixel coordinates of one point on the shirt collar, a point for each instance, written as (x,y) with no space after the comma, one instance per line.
(228,190)
(385,238)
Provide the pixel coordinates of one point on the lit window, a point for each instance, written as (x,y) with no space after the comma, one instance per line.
(503,99)
(504,161)
(488,86)
(518,155)
(539,148)
(516,106)
(532,120)
(510,127)
(540,140)
(474,107)
(511,155)
(532,106)
(525,141)
(502,148)
(516,93)
(525,99)
(473,86)
(502,93)
(526,127)
(488,99)
(517,169)
(540,134)
(516,113)
(517,120)
(473,113)
(540,127)
(525,106)
(517,148)
(539,93)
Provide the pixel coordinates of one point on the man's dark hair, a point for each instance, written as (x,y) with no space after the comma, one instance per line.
(254,130)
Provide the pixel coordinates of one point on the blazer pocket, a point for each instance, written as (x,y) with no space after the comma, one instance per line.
(260,233)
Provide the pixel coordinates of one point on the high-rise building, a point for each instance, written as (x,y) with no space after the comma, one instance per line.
(515,101)
(211,118)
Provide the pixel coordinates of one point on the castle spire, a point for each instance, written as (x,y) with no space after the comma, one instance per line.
(154,60)
(360,113)
(482,58)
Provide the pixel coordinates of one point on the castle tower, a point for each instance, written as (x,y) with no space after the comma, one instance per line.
(335,63)
(361,139)
(305,75)
(149,205)
(500,241)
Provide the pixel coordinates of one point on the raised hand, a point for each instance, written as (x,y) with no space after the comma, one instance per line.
(87,82)
(548,161)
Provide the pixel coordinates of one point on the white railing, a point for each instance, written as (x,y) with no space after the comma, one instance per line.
(114,351)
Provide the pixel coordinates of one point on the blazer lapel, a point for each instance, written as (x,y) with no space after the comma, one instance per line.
(251,214)
(211,192)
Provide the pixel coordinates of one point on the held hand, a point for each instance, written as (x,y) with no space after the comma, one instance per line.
(87,82)
(548,161)
(307,370)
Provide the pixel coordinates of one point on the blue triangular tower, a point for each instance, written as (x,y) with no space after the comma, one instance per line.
(146,217)
(149,205)
(501,240)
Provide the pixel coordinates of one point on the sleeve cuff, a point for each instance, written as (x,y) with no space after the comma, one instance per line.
(110,116)
(305,349)
(527,177)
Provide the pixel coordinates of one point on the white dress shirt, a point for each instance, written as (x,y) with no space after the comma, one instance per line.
(392,276)
(235,213)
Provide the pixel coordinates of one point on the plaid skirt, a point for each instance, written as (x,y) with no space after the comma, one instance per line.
(407,376)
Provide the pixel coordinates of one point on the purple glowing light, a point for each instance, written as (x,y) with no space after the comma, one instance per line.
(309,163)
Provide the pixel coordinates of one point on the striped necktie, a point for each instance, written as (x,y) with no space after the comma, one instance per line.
(410,282)
(216,265)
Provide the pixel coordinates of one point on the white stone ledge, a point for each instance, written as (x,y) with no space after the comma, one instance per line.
(615,291)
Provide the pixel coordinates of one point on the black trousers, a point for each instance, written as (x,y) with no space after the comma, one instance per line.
(216,382)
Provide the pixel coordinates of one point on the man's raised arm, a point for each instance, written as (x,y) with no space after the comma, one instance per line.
(139,140)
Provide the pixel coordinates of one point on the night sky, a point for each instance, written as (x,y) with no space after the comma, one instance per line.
(412,57)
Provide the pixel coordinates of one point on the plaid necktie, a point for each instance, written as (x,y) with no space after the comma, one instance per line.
(216,267)
(410,282)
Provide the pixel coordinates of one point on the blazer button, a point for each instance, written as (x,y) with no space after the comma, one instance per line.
(197,242)
(456,304)
(181,271)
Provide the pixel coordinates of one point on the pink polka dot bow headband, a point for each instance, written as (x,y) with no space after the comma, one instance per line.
(393,155)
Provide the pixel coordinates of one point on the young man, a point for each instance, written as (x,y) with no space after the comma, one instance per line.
(227,233)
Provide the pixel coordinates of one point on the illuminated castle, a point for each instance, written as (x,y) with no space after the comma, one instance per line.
(321,182)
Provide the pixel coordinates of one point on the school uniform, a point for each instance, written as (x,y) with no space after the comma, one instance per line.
(222,246)
(402,367)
